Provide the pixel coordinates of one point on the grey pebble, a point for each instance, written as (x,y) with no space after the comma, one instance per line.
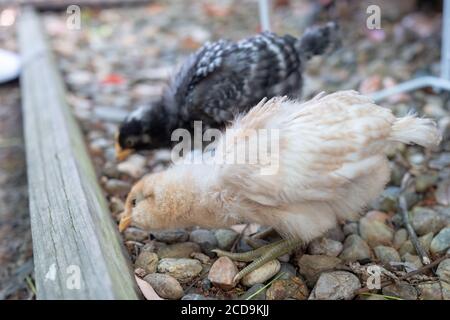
(225,238)
(171,236)
(206,240)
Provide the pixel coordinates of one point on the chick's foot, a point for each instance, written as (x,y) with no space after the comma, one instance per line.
(260,256)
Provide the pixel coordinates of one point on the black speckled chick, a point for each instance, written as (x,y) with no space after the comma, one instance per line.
(221,80)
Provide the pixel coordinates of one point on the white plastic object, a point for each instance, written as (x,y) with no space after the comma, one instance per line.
(9,66)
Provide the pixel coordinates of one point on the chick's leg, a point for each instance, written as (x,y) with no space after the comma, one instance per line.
(249,255)
(264,233)
(261,255)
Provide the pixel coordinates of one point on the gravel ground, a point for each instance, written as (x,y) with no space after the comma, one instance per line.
(16,265)
(121,58)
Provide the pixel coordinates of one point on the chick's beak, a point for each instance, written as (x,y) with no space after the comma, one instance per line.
(121,154)
(125,222)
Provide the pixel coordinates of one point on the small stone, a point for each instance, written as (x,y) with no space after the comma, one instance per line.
(294,288)
(443,270)
(110,155)
(284,258)
(397,173)
(110,170)
(178,250)
(441,241)
(335,234)
(205,239)
(140,272)
(425,220)
(256,292)
(355,249)
(374,229)
(109,114)
(116,205)
(370,84)
(414,260)
(165,285)
(445,290)
(206,285)
(416,158)
(401,290)
(262,274)
(411,197)
(287,271)
(397,220)
(183,269)
(434,110)
(153,246)
(430,291)
(444,127)
(225,238)
(143,90)
(146,289)
(325,246)
(133,247)
(426,181)
(386,255)
(135,234)
(147,261)
(442,161)
(387,201)
(243,246)
(222,273)
(337,285)
(134,166)
(79,78)
(408,247)
(117,187)
(97,146)
(442,193)
(171,236)
(444,213)
(400,236)
(203,258)
(311,267)
(350,228)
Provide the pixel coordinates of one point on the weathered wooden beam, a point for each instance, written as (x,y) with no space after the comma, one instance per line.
(78,253)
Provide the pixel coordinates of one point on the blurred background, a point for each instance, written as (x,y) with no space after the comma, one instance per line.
(124,51)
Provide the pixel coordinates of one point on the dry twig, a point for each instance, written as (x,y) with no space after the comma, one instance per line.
(408,275)
(235,243)
(412,234)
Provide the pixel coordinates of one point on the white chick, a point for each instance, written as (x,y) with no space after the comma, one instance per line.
(331,163)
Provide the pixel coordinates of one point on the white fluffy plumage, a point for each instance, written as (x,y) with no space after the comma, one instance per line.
(331,163)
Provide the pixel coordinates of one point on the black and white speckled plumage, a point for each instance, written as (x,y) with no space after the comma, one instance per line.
(225,78)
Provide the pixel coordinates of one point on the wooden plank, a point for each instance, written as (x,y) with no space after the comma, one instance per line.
(73,232)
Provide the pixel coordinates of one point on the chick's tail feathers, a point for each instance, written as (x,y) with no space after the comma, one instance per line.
(316,40)
(411,129)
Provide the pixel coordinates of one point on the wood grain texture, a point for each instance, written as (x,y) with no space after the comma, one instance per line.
(71,224)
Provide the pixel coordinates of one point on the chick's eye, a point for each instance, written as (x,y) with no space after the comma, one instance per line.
(129,142)
(133,202)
